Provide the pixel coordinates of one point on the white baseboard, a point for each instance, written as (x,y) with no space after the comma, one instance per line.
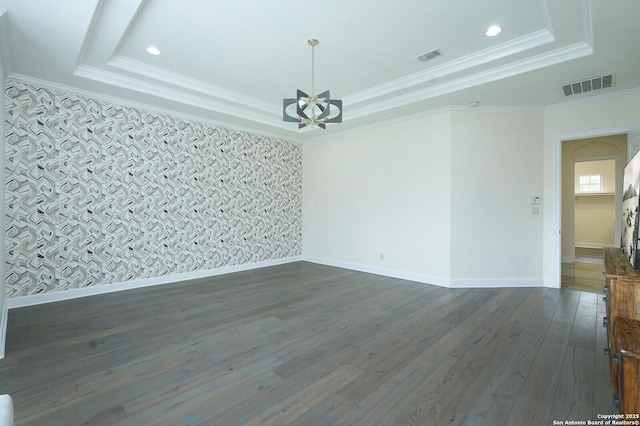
(429,279)
(497,283)
(551,283)
(393,273)
(4,315)
(37,299)
(593,245)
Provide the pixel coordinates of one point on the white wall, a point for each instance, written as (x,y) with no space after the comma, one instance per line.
(382,191)
(608,115)
(445,197)
(497,167)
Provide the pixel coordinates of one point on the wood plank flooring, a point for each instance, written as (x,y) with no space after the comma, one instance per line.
(307,344)
(585,274)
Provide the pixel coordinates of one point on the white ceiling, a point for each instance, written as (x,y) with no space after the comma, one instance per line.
(232,62)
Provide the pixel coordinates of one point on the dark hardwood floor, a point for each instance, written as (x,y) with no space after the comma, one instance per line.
(307,344)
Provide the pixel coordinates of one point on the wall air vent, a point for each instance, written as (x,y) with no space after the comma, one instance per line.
(429,55)
(588,85)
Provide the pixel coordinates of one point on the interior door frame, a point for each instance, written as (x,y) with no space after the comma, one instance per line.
(556,217)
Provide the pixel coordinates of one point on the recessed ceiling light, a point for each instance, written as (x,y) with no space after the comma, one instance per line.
(473,104)
(152,50)
(493,30)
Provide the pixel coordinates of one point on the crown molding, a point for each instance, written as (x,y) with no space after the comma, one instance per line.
(140,68)
(126,73)
(321,136)
(427,113)
(379,124)
(563,54)
(481,57)
(143,106)
(222,100)
(499,108)
(515,46)
(591,99)
(134,84)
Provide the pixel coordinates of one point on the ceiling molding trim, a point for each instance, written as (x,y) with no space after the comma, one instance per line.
(546,17)
(86,41)
(5,61)
(518,45)
(142,106)
(378,124)
(131,17)
(426,113)
(478,58)
(554,57)
(142,69)
(105,14)
(421,114)
(596,98)
(119,80)
(499,108)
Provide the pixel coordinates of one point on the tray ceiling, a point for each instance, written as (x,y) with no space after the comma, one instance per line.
(232,63)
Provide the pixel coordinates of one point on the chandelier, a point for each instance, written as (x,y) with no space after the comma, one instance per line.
(314,110)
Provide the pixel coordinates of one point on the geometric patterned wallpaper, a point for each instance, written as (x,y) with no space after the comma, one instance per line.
(98,193)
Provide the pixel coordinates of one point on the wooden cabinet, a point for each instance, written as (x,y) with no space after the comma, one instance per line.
(628,361)
(622,288)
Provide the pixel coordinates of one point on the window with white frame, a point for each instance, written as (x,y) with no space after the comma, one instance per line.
(589,184)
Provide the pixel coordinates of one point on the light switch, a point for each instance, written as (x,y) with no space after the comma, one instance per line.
(535,199)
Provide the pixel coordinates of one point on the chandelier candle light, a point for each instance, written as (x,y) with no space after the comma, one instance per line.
(314,110)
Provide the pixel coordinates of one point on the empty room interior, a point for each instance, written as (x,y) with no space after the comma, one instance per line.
(338,213)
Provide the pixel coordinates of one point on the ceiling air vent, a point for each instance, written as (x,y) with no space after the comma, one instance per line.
(588,85)
(429,55)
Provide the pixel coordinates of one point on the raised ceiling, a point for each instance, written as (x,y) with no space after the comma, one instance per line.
(232,62)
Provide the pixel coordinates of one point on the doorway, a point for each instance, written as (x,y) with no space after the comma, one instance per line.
(592,174)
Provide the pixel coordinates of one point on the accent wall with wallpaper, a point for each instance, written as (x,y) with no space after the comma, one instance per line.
(98,193)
